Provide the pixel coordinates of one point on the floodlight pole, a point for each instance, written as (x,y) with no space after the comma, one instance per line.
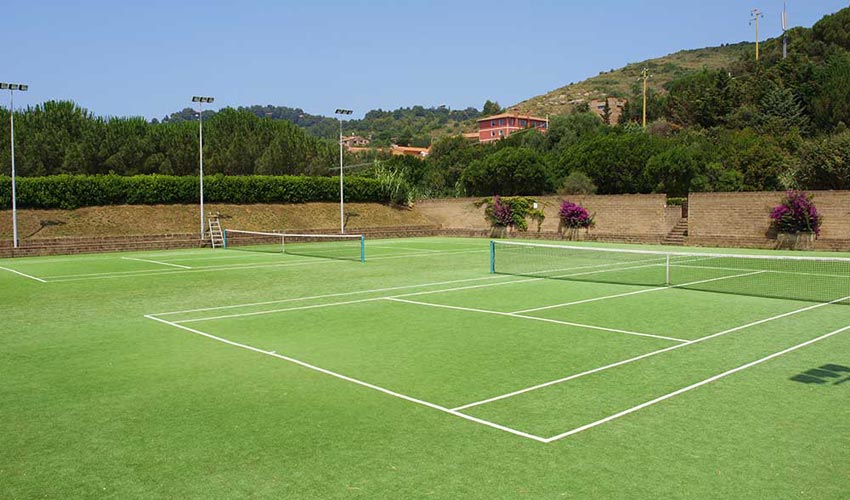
(784,32)
(201,100)
(755,14)
(339,113)
(12,88)
(645,74)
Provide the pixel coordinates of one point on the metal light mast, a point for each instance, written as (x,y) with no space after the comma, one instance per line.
(201,100)
(755,14)
(339,112)
(12,88)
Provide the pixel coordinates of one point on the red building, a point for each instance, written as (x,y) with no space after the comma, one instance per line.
(497,127)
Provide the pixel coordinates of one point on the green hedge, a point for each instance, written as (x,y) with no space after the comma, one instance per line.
(74,191)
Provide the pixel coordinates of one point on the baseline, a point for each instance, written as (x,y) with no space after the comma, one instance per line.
(23,274)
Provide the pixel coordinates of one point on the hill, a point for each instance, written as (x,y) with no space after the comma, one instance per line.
(623,82)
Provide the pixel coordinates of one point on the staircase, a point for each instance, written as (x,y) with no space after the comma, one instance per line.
(216,234)
(677,235)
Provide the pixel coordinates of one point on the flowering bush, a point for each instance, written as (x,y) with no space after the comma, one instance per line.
(511,212)
(501,213)
(796,214)
(574,216)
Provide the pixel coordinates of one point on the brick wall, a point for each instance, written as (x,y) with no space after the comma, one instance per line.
(633,218)
(743,219)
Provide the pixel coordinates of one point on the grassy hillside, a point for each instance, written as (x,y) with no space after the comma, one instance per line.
(621,82)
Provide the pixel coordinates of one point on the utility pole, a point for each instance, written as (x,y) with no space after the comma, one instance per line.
(755,14)
(784,32)
(645,74)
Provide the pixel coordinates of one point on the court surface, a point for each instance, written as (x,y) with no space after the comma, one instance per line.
(418,373)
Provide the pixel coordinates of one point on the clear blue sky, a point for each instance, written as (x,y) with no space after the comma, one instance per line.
(123,58)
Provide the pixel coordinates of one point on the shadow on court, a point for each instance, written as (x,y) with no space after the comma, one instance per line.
(829,374)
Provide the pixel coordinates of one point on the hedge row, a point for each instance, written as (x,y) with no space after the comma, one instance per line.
(74,191)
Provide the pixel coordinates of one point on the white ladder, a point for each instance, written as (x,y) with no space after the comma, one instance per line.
(216,234)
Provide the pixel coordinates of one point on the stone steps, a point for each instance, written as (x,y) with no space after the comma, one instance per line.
(677,236)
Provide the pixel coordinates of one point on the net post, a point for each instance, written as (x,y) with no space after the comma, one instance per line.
(667,271)
(362,248)
(492,257)
(224,239)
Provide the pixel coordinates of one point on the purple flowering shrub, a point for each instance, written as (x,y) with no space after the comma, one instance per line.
(574,215)
(796,214)
(511,212)
(501,213)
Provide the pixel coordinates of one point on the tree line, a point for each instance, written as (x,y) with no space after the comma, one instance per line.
(767,125)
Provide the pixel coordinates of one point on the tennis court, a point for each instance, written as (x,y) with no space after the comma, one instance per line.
(528,344)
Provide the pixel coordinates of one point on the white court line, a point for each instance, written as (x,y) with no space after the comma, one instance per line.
(272,311)
(304,262)
(413,294)
(148,272)
(546,320)
(555,306)
(354,381)
(394,247)
(22,274)
(644,356)
(341,294)
(156,262)
(693,386)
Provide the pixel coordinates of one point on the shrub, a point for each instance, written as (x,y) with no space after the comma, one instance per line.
(796,214)
(511,212)
(577,183)
(574,216)
(74,191)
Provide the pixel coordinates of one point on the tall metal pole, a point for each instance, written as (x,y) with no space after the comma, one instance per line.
(201,160)
(339,112)
(12,88)
(341,197)
(201,100)
(755,14)
(645,76)
(784,32)
(14,194)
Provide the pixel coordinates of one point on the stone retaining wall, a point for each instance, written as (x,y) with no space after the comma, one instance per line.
(743,219)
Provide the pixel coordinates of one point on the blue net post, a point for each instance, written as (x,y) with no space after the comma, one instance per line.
(362,248)
(492,257)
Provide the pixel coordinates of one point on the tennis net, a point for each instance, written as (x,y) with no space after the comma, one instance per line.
(815,279)
(328,246)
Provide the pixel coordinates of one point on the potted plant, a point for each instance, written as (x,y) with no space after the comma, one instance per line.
(796,221)
(573,217)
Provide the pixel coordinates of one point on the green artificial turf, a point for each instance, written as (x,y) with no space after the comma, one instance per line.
(174,375)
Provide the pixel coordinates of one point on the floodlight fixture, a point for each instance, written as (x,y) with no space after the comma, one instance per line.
(341,111)
(202,99)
